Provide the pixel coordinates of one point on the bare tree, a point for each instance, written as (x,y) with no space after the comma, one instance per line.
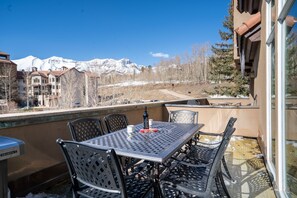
(72,88)
(8,82)
(91,89)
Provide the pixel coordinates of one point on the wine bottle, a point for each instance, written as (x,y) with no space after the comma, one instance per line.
(145,119)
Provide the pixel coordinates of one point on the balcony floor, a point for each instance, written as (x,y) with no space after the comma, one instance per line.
(246,164)
(244,160)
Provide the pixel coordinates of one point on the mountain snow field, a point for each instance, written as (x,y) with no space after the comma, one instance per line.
(101,66)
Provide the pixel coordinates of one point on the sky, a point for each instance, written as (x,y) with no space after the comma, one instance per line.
(144,31)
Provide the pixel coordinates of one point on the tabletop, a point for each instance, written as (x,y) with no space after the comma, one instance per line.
(153,146)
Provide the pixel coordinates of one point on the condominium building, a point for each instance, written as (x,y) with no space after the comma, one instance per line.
(59,88)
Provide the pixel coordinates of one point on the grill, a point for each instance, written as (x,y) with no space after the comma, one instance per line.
(9,148)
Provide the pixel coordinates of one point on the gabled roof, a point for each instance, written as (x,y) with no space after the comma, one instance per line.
(3,53)
(40,73)
(56,72)
(7,61)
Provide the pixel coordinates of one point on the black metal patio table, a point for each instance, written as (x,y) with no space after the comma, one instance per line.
(152,146)
(156,147)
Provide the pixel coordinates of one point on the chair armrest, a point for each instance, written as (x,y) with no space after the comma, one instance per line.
(208,143)
(209,133)
(195,165)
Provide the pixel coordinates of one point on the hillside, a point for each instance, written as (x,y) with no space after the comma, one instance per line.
(152,92)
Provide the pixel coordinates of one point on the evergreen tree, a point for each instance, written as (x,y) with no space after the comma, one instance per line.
(222,62)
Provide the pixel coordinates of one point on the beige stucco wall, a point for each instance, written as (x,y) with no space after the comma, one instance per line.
(260,79)
(41,150)
(237,21)
(215,119)
(260,83)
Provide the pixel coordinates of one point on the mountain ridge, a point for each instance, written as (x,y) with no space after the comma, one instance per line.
(100,66)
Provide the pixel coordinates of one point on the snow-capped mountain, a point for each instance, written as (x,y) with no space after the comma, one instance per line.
(101,66)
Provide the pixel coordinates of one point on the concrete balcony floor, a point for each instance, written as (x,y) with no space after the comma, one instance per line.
(244,160)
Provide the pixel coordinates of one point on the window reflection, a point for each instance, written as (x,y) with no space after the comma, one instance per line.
(272,4)
(291,99)
(273,111)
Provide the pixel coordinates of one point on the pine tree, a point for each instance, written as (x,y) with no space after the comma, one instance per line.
(222,62)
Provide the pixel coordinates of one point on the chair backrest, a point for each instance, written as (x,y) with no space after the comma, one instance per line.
(93,167)
(230,124)
(115,122)
(217,156)
(85,128)
(193,102)
(183,116)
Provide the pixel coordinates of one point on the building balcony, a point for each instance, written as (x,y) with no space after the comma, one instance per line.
(42,166)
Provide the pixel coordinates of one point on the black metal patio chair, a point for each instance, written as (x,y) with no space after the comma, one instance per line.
(198,180)
(183,116)
(115,122)
(85,128)
(186,117)
(201,150)
(100,173)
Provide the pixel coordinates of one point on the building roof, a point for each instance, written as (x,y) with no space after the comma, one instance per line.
(248,41)
(3,53)
(40,73)
(56,72)
(250,6)
(249,24)
(290,21)
(7,61)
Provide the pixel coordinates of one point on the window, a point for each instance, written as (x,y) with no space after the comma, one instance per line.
(36,80)
(290,100)
(53,79)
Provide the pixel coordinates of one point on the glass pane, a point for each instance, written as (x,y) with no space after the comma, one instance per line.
(291,99)
(273,15)
(273,111)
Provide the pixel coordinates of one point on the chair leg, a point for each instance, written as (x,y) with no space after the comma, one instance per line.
(228,175)
(222,183)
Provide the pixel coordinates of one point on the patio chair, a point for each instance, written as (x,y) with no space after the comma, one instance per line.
(85,128)
(186,117)
(115,122)
(100,173)
(201,151)
(183,116)
(198,180)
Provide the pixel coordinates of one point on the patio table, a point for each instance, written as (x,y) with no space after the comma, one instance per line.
(152,146)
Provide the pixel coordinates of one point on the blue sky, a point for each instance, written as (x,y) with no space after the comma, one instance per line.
(87,29)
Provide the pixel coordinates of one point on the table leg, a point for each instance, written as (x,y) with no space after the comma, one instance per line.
(157,189)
